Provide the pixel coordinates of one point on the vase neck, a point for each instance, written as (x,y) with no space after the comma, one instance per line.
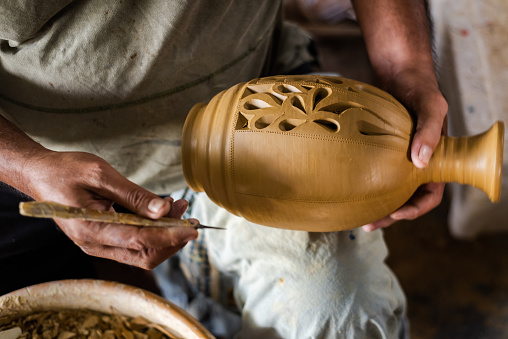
(475,161)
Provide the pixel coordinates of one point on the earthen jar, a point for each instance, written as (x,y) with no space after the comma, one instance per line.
(102,296)
(321,153)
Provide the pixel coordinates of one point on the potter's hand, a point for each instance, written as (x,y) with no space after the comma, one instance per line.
(84,180)
(396,33)
(421,96)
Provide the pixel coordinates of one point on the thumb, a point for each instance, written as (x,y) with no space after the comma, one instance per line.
(145,203)
(428,132)
(135,198)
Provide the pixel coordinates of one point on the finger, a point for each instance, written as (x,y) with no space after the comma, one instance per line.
(429,128)
(147,259)
(119,189)
(178,209)
(381,223)
(423,201)
(130,237)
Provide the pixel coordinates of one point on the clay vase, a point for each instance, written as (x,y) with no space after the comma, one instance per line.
(321,153)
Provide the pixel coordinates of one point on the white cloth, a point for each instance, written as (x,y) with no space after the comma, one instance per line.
(292,284)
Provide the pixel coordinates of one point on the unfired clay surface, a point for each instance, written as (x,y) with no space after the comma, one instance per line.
(320,153)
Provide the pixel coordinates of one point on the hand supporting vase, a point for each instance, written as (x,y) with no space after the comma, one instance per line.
(321,153)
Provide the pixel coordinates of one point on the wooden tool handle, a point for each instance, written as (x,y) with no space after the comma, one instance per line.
(50,209)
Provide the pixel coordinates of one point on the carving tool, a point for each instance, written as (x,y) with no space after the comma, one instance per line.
(50,209)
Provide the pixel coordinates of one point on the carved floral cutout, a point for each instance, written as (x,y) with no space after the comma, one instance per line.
(311,105)
(285,107)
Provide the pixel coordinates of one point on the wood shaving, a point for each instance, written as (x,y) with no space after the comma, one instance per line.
(67,324)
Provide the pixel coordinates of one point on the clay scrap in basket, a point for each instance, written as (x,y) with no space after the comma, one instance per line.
(66,324)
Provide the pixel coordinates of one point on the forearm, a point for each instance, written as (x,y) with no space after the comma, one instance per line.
(16,149)
(397,37)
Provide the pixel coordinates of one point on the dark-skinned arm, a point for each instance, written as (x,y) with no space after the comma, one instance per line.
(85,180)
(397,37)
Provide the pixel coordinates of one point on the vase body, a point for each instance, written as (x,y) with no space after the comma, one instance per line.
(310,153)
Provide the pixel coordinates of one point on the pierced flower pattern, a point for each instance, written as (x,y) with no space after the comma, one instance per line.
(286,107)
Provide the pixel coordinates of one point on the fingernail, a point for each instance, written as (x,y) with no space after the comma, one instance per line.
(368,228)
(155,205)
(425,153)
